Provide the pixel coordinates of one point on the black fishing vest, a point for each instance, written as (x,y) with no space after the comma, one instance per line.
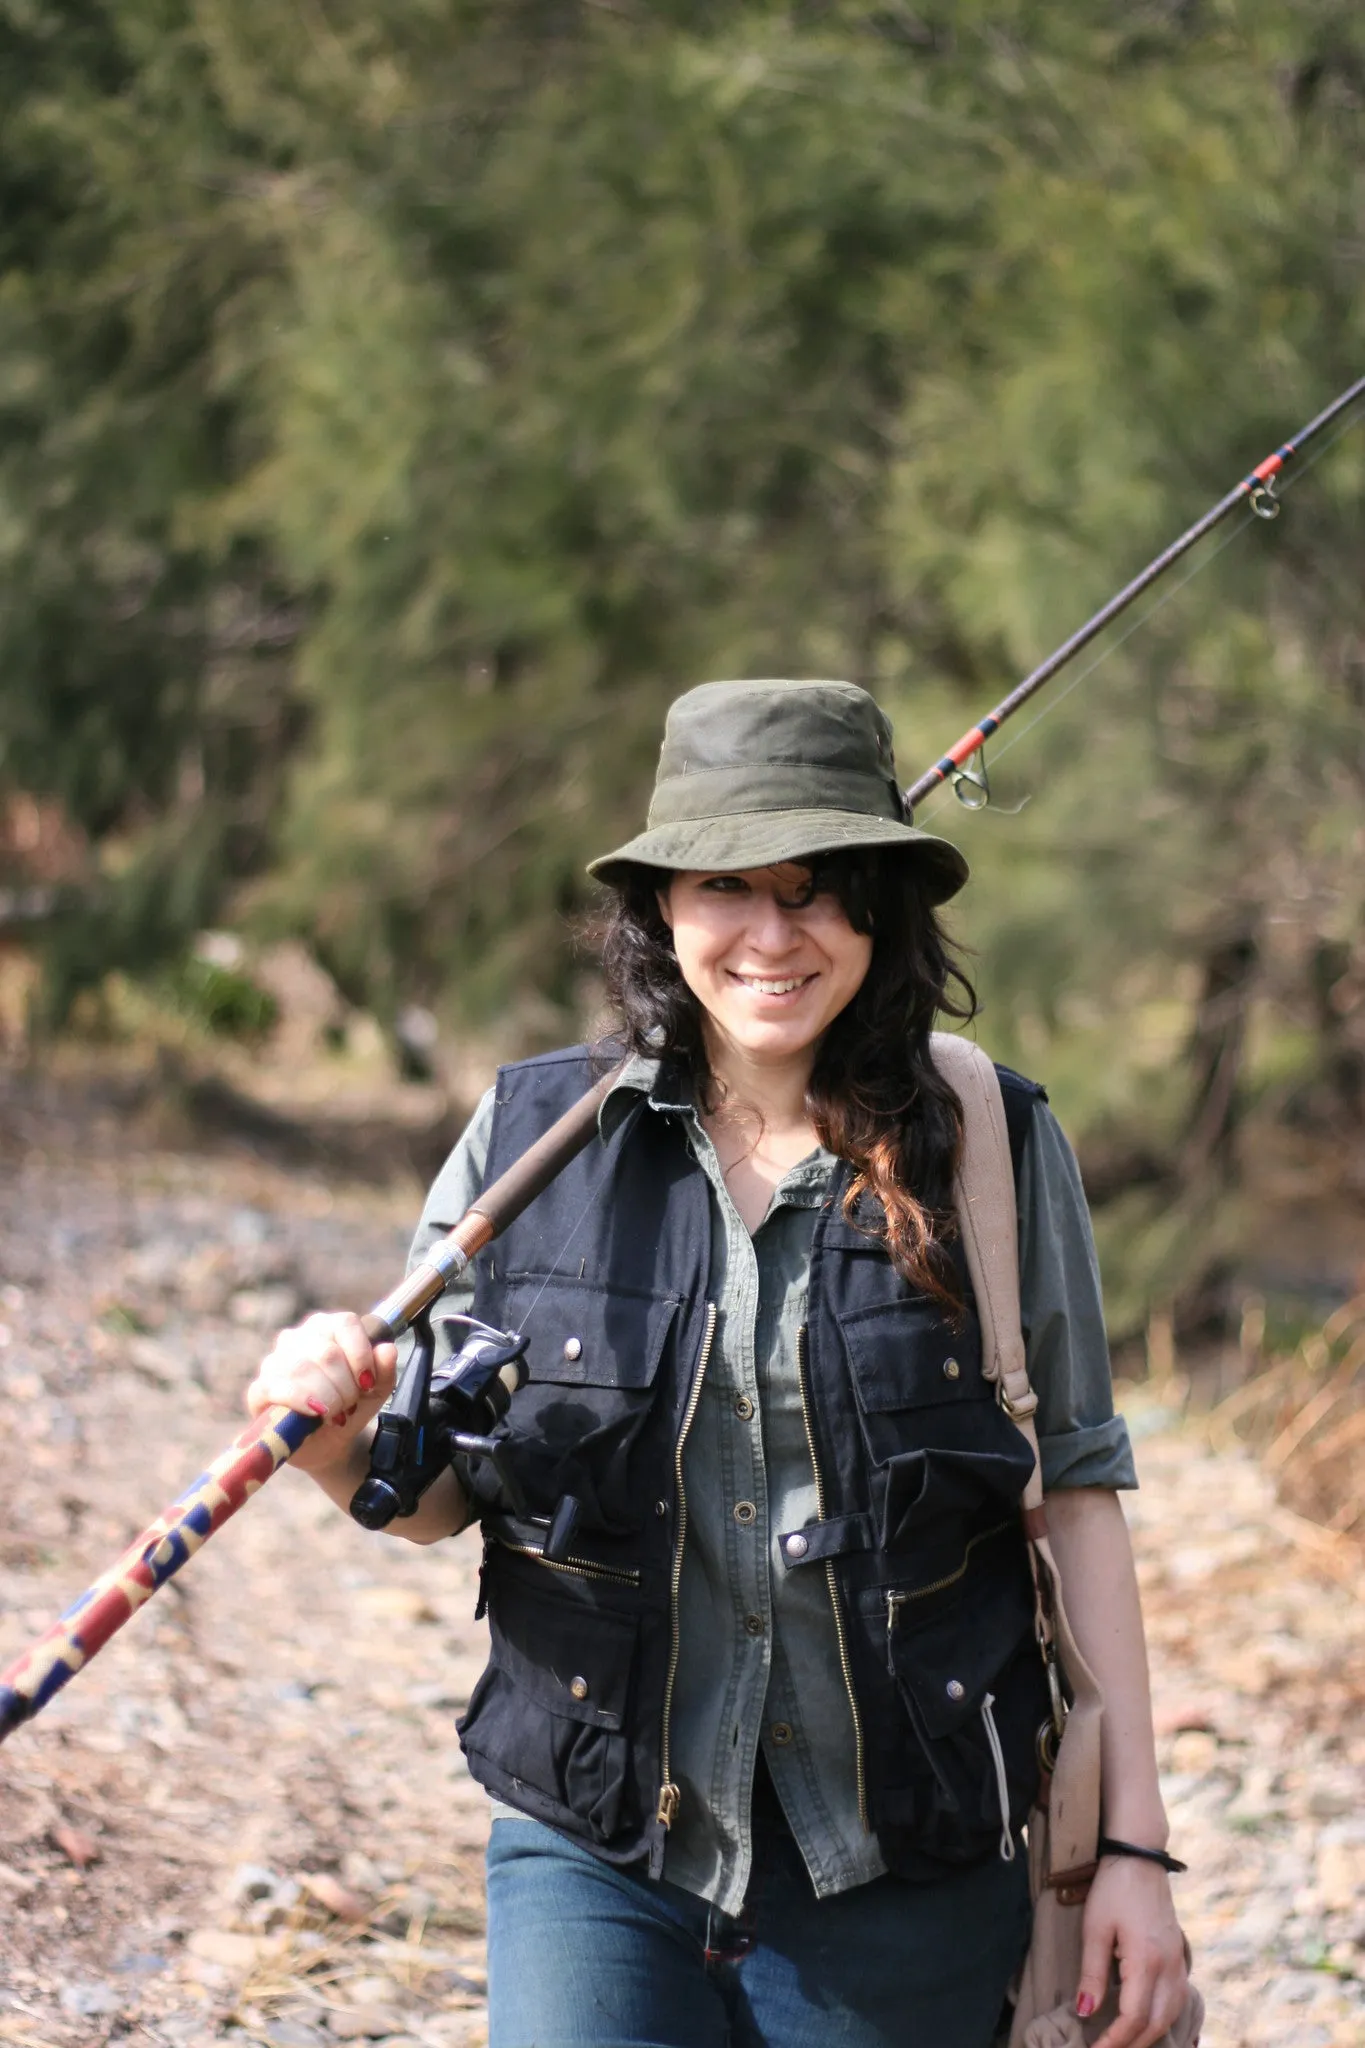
(919,1471)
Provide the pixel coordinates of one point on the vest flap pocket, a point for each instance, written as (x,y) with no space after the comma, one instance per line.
(902,1354)
(946,1663)
(584,1335)
(571,1657)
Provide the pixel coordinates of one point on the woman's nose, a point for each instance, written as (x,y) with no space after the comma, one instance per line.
(772,928)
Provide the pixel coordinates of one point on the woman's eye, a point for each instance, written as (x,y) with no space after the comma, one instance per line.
(724,885)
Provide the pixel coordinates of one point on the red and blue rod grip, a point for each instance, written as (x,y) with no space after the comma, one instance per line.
(169,1542)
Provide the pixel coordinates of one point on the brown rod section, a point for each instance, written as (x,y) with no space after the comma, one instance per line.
(495,1208)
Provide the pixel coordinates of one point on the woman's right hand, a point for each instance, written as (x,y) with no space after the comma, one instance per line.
(326,1366)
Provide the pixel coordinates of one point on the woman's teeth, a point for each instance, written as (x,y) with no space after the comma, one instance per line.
(774,988)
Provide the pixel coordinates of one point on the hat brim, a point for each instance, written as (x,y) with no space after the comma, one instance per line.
(762,839)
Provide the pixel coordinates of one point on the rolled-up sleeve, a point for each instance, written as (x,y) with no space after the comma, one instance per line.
(1081,1441)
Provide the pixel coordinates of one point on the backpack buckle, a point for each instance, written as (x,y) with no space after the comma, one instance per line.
(1017,1408)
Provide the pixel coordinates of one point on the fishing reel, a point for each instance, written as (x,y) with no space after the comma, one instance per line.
(435,1416)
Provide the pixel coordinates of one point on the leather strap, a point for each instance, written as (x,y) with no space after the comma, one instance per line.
(988,1219)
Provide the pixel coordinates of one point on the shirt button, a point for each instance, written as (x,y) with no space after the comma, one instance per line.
(797,1545)
(573,1348)
(753,1624)
(746,1514)
(951,1369)
(781,1733)
(579,1688)
(744,1407)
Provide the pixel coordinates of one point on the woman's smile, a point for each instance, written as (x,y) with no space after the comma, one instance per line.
(767,985)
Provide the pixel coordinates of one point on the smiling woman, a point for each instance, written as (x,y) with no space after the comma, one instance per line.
(769,954)
(762,1740)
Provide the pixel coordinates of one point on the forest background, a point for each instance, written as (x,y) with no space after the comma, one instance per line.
(400,402)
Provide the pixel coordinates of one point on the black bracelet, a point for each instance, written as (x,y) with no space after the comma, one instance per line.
(1107,1846)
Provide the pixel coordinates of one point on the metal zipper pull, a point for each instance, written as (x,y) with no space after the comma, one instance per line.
(670,1799)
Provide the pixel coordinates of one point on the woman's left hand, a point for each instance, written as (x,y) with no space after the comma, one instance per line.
(1130,1918)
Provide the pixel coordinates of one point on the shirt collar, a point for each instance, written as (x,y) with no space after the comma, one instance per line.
(636,1078)
(666,1087)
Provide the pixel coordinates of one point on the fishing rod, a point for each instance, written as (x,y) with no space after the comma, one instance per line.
(1258,489)
(257,1453)
(269,1441)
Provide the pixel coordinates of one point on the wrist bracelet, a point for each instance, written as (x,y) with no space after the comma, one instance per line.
(1107,1846)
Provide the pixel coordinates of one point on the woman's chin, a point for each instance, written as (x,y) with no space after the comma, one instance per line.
(772,1038)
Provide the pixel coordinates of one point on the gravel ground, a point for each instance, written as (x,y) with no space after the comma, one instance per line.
(249,1820)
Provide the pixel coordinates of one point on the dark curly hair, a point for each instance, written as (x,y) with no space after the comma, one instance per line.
(875,1097)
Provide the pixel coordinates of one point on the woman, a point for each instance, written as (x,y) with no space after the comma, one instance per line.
(762,1736)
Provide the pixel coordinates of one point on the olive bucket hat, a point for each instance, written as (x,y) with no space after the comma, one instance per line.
(751,774)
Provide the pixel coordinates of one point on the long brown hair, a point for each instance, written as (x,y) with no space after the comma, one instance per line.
(875,1097)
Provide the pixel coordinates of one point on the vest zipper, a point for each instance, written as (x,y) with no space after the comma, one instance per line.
(577,1567)
(670,1797)
(844,1664)
(895,1601)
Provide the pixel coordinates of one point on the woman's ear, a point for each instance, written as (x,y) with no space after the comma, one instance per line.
(661,898)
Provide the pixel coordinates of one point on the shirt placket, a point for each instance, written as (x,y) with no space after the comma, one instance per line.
(737,1492)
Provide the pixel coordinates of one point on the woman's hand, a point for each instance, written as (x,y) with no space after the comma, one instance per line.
(1130,1917)
(326,1366)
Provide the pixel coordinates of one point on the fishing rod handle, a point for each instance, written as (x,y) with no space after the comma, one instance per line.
(270,1440)
(254,1455)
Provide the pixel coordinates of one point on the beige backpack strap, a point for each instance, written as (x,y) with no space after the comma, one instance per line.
(988,1219)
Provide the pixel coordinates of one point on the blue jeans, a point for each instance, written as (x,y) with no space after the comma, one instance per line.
(583,1955)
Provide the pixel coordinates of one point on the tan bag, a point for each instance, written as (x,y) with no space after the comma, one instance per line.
(1064,1826)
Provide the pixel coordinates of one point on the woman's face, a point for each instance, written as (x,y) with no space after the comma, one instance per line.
(771,964)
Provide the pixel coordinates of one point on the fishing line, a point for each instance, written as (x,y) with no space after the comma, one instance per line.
(1045,710)
(1286,483)
(603,1177)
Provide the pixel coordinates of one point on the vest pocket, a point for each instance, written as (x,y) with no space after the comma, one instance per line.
(577,1426)
(971,1682)
(947,1489)
(549,1712)
(902,1354)
(942,1452)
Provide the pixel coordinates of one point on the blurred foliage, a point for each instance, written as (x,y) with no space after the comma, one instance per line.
(1301,1406)
(221,999)
(400,403)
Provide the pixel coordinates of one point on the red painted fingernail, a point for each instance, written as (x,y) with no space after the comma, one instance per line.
(317,1407)
(1085,2005)
(365,1381)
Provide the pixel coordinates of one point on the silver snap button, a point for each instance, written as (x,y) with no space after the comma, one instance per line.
(661,1508)
(781,1733)
(753,1624)
(956,1689)
(573,1348)
(744,1407)
(796,1546)
(579,1688)
(746,1514)
(951,1369)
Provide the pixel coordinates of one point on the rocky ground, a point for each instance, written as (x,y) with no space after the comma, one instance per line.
(249,1820)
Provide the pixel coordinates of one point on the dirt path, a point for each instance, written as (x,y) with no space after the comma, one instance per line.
(249,1820)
